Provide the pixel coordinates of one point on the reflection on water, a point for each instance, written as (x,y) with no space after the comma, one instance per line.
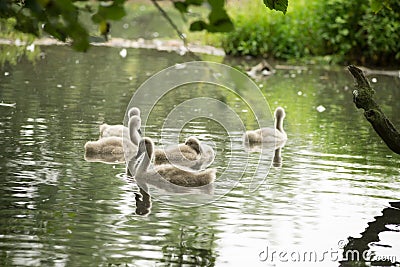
(58,209)
(368,247)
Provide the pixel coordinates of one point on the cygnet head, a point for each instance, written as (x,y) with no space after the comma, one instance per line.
(134,112)
(102,128)
(280,113)
(194,143)
(279,116)
(135,122)
(134,126)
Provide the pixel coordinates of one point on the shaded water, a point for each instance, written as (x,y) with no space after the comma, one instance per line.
(59,210)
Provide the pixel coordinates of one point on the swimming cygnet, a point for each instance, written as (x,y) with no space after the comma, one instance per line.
(168,172)
(192,154)
(276,134)
(117,130)
(117,145)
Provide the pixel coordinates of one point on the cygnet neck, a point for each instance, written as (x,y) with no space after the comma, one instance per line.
(279,116)
(134,125)
(144,165)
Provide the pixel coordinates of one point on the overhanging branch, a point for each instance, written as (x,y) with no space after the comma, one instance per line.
(363,98)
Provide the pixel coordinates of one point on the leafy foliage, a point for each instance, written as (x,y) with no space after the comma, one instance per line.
(377,5)
(218,19)
(355,31)
(337,29)
(270,33)
(58,18)
(280,5)
(61,18)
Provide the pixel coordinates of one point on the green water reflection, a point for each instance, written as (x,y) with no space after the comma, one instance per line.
(58,209)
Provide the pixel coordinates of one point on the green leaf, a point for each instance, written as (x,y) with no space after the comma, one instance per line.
(79,36)
(221,26)
(55,31)
(97,18)
(181,6)
(104,28)
(279,5)
(195,2)
(26,24)
(219,21)
(376,5)
(116,11)
(113,12)
(198,25)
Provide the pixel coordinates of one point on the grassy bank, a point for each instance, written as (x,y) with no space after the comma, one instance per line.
(339,30)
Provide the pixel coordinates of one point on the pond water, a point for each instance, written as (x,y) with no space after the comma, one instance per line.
(57,209)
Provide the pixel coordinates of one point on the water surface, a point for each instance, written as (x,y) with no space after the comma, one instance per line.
(59,210)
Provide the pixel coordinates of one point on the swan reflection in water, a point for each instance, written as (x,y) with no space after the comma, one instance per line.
(143,202)
(267,148)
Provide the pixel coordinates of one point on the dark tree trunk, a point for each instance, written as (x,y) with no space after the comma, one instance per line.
(363,98)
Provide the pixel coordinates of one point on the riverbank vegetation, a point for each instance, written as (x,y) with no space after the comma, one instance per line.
(338,30)
(329,31)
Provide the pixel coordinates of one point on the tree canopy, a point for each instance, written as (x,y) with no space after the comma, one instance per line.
(61,18)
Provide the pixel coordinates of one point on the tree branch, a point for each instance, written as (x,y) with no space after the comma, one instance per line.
(363,98)
(171,22)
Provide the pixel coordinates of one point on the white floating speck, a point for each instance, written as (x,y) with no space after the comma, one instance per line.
(321,108)
(293,75)
(31,47)
(18,42)
(181,51)
(374,80)
(261,85)
(6,73)
(123,53)
(77,61)
(130,78)
(59,85)
(72,87)
(180,66)
(299,93)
